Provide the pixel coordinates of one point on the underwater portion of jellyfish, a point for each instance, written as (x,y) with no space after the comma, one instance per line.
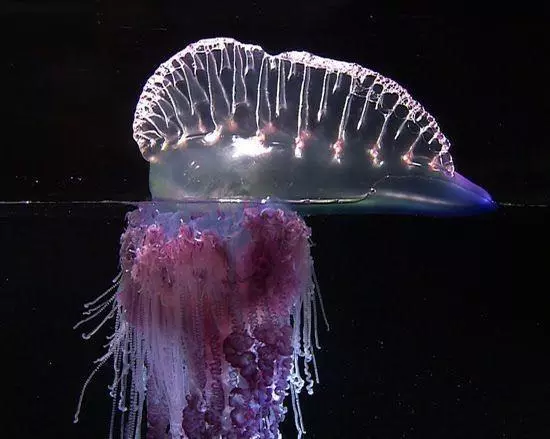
(206,306)
(215,314)
(215,306)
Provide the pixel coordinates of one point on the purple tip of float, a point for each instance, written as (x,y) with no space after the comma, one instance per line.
(475,196)
(434,194)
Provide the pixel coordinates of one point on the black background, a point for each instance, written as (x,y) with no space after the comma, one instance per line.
(439,326)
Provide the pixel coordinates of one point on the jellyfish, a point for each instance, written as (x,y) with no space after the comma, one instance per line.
(216,305)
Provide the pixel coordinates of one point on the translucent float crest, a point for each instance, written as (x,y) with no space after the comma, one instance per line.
(222,120)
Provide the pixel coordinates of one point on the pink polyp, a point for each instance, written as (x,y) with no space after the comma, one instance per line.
(213,307)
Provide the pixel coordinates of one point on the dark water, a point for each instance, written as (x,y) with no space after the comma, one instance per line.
(439,327)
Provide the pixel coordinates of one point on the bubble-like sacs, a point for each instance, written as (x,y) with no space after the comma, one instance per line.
(225,121)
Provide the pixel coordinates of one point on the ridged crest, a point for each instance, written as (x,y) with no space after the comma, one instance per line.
(219,88)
